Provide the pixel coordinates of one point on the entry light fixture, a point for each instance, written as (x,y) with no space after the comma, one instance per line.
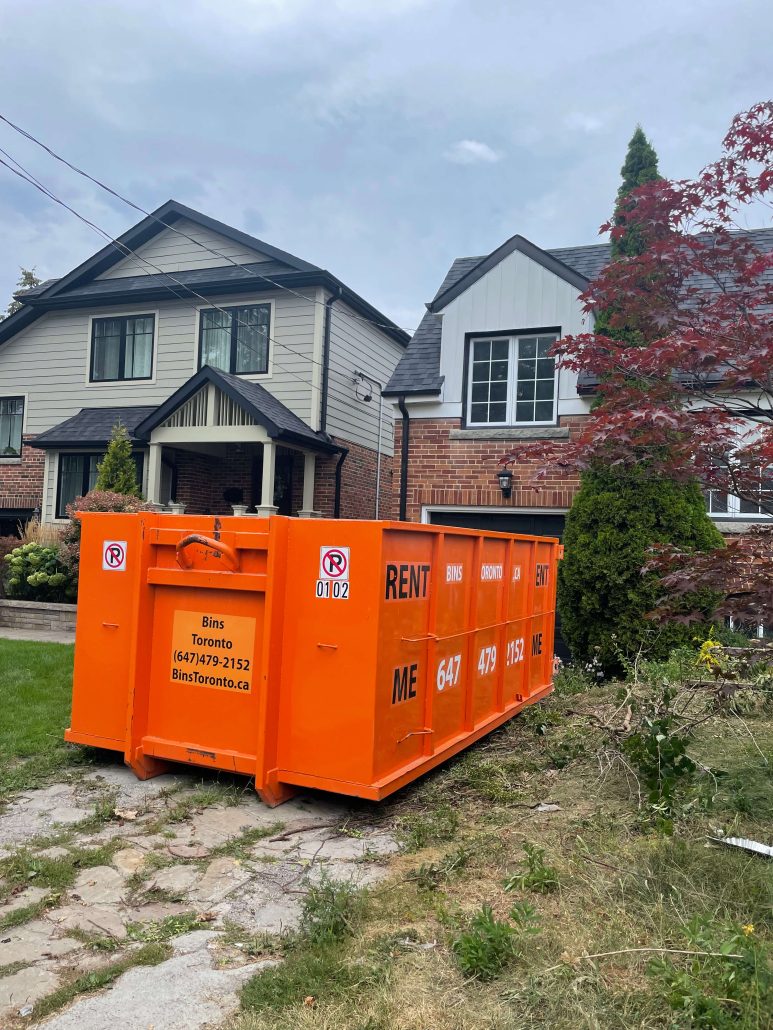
(505,478)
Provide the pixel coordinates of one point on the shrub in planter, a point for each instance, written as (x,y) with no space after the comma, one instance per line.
(35,572)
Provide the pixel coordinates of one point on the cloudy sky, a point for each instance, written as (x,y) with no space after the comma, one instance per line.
(377,138)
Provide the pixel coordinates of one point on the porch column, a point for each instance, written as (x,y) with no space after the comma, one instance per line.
(267,506)
(154,473)
(309,464)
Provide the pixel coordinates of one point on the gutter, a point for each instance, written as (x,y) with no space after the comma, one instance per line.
(326,367)
(339,464)
(404,457)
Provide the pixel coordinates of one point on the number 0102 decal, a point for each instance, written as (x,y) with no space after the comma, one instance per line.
(336,589)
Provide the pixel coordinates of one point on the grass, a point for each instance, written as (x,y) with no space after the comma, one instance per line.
(36,685)
(493,908)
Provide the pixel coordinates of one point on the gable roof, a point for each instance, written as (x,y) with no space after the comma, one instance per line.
(418,371)
(92,427)
(279,422)
(516,243)
(81,286)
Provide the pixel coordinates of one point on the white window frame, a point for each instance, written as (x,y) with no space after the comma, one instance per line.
(513,340)
(734,512)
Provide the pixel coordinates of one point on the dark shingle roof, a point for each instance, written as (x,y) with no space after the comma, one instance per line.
(419,369)
(277,419)
(193,278)
(92,427)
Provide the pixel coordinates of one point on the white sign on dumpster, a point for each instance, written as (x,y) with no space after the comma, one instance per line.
(114,555)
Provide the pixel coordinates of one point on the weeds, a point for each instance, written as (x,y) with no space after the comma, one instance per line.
(166,929)
(436,826)
(729,987)
(488,945)
(330,912)
(537,876)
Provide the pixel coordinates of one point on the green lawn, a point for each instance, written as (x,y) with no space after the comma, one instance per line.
(35,693)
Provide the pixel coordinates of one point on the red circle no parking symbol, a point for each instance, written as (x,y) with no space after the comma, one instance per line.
(335,563)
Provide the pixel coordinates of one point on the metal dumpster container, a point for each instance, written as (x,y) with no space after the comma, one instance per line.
(343,655)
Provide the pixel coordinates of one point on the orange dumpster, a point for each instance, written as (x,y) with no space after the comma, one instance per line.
(342,655)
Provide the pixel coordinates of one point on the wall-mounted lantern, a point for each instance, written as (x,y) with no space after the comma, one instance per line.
(505,478)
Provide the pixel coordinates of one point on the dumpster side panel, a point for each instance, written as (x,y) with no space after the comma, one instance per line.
(328,653)
(406,581)
(447,672)
(111,568)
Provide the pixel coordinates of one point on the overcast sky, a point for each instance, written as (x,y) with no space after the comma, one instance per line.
(377,139)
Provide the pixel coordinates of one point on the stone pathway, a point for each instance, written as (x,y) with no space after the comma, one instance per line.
(48,636)
(172,847)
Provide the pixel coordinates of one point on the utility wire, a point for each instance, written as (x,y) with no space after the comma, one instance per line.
(29,178)
(149,214)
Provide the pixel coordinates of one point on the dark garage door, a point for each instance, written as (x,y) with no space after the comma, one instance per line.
(532,523)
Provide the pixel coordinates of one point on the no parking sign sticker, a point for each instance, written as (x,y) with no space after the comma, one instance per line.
(333,579)
(334,563)
(114,556)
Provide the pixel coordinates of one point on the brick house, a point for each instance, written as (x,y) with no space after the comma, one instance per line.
(243,374)
(476,380)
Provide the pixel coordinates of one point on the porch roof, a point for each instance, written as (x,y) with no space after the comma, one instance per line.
(276,418)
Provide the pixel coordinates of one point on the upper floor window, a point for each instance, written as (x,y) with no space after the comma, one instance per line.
(11,422)
(512,381)
(122,348)
(235,339)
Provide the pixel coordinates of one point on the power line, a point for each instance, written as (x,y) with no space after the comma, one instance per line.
(149,214)
(27,177)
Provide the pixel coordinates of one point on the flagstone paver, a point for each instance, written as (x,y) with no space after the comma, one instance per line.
(178,868)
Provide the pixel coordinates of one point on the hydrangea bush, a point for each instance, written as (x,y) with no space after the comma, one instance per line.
(38,573)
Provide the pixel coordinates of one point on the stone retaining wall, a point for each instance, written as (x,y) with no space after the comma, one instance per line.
(37,615)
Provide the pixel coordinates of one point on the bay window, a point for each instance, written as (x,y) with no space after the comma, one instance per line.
(512,380)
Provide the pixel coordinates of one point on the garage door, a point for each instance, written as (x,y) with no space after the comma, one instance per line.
(533,523)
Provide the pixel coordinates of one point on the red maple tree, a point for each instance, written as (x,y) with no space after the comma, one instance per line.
(687,388)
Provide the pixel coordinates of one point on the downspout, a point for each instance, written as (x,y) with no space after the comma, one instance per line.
(326,359)
(337,501)
(404,457)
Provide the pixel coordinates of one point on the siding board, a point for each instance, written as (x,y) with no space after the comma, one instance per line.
(172,252)
(356,345)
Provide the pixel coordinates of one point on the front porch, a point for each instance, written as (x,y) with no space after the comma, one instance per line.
(220,442)
(211,478)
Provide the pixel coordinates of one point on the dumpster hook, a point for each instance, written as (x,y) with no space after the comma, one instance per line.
(226,553)
(414,733)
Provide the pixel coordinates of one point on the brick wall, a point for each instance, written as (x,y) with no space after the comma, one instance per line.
(464,472)
(358,484)
(21,483)
(201,481)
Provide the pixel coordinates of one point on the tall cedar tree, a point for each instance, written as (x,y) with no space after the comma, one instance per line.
(619,513)
(117,471)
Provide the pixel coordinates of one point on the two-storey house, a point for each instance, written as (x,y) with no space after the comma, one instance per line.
(477,378)
(243,374)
